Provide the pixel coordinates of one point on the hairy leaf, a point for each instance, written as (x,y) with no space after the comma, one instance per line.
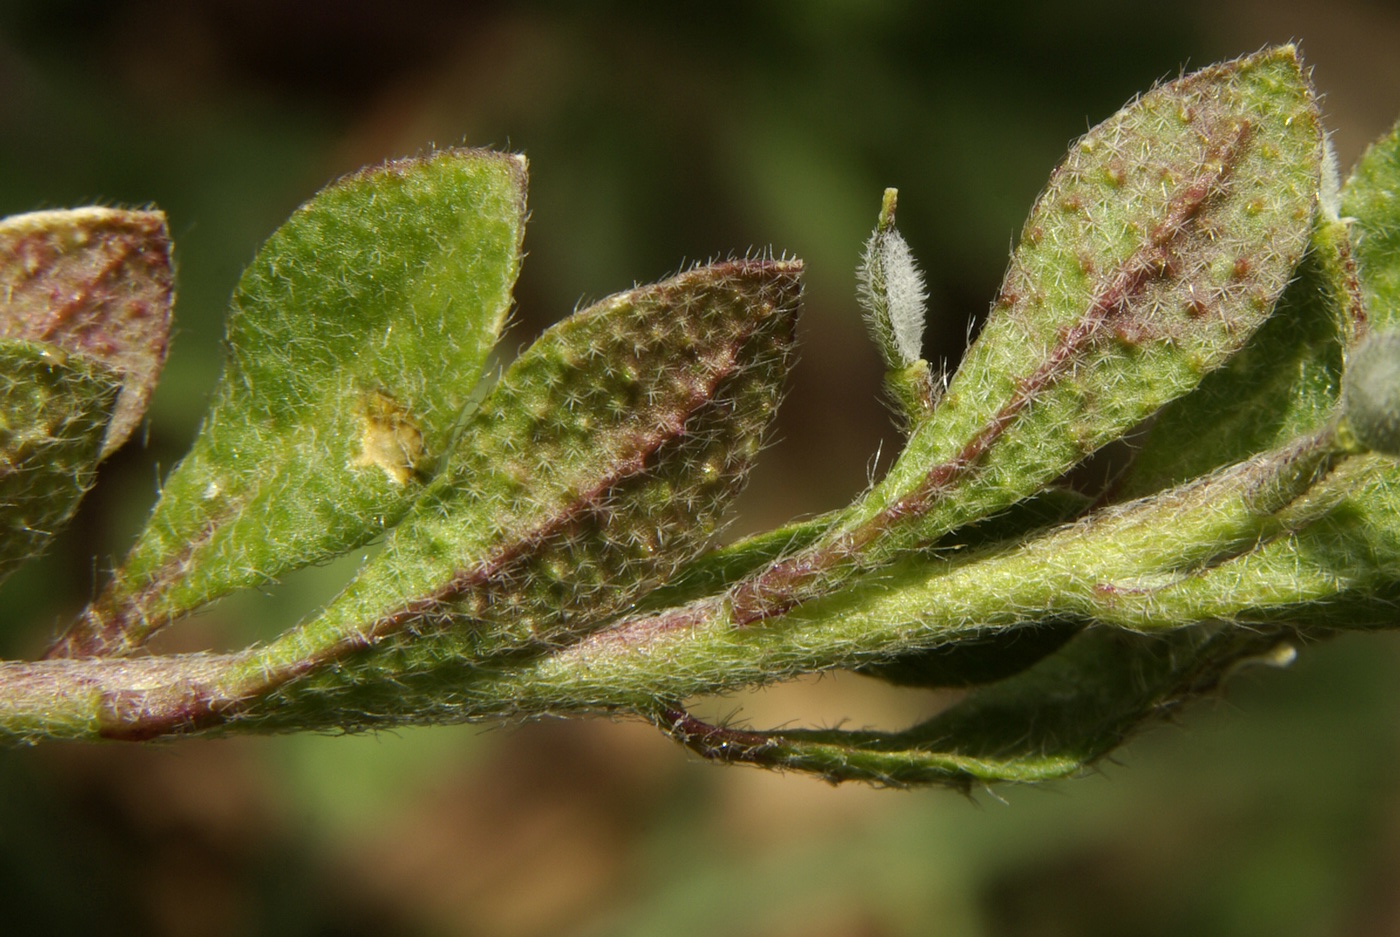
(1052,721)
(602,461)
(355,339)
(1282,384)
(1158,247)
(1371,199)
(1113,567)
(54,412)
(96,282)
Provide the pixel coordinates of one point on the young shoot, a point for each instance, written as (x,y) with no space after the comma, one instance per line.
(894,297)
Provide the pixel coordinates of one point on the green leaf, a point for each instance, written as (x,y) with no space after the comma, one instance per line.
(54,412)
(1112,567)
(1077,706)
(1340,571)
(96,282)
(717,570)
(1371,200)
(1051,721)
(599,465)
(1282,384)
(355,339)
(1159,246)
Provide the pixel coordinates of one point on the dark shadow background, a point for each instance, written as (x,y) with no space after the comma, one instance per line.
(658,134)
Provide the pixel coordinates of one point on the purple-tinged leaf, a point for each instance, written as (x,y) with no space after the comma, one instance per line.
(96,282)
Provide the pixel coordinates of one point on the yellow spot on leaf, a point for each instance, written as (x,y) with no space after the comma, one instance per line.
(389,438)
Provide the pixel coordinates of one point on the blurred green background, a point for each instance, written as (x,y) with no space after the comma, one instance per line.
(659,134)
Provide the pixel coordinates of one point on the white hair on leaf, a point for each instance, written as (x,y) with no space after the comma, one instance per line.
(905,295)
(1329,195)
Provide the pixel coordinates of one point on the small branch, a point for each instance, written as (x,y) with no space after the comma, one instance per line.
(1075,571)
(1081,571)
(717,743)
(114,698)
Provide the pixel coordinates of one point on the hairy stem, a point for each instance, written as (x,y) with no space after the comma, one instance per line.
(1102,569)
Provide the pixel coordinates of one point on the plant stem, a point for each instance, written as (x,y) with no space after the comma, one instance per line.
(1118,567)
